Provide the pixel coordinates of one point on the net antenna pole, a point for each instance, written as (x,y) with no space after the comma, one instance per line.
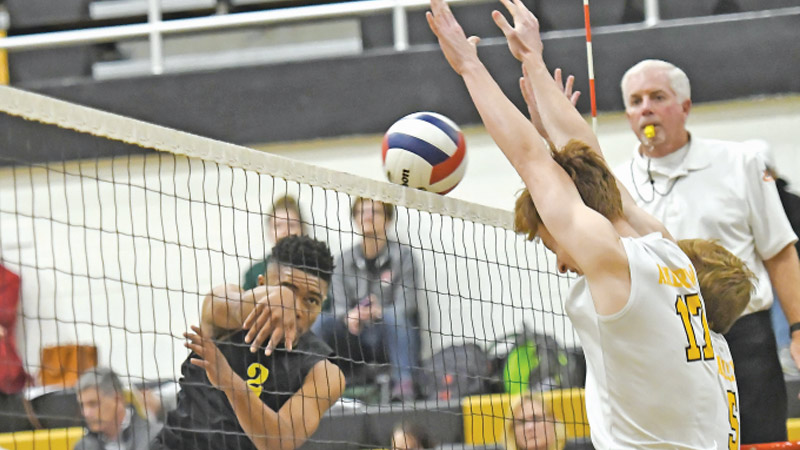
(590,63)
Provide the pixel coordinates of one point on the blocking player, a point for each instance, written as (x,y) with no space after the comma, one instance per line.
(236,394)
(652,374)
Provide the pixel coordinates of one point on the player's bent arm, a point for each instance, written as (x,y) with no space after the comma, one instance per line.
(321,389)
(226,307)
(299,417)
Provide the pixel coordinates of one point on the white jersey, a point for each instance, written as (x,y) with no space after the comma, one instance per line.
(651,370)
(728,390)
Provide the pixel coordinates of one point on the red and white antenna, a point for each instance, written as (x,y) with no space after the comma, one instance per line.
(590,63)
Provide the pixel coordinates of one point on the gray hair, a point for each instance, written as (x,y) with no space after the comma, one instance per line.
(105,380)
(678,80)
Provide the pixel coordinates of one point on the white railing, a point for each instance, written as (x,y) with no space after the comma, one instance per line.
(155,28)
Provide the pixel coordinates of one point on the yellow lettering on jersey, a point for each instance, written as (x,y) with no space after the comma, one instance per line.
(726,369)
(692,277)
(257,374)
(663,275)
(681,277)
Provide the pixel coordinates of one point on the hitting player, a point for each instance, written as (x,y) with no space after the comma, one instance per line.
(237,395)
(652,375)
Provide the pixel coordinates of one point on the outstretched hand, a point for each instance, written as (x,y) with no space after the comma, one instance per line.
(459,50)
(217,369)
(530,98)
(272,317)
(523,37)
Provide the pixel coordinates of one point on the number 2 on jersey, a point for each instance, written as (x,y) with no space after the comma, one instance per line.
(687,306)
(258,375)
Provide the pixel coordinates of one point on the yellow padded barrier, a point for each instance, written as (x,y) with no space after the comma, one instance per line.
(3,62)
(793,428)
(485,415)
(48,439)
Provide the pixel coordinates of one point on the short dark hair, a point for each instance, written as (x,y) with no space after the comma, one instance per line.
(307,254)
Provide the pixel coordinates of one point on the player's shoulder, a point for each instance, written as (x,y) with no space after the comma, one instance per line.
(313,345)
(660,249)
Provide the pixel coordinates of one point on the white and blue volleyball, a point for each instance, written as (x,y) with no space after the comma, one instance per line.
(425,150)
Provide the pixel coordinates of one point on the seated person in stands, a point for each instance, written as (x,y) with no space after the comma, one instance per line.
(532,426)
(237,394)
(408,435)
(374,306)
(283,220)
(112,422)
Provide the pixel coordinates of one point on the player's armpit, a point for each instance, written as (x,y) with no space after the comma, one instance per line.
(641,221)
(322,387)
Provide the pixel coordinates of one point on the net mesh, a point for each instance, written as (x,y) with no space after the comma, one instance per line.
(118,229)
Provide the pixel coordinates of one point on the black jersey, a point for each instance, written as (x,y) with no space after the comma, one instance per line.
(204,419)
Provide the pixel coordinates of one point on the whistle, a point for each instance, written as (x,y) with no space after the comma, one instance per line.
(649,131)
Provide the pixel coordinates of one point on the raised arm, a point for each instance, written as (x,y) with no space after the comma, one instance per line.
(586,236)
(554,110)
(225,308)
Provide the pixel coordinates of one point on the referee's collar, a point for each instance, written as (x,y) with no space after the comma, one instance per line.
(679,163)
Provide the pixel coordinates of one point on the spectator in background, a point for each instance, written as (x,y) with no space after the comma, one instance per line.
(408,435)
(374,313)
(112,422)
(533,426)
(710,189)
(791,205)
(283,220)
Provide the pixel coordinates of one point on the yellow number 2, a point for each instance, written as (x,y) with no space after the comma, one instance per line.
(687,306)
(258,375)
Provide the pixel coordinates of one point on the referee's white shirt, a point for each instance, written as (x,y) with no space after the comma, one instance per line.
(715,190)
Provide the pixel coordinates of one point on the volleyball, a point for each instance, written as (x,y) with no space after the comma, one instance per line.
(425,150)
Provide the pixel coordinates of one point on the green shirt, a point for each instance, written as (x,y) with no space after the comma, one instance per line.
(250,279)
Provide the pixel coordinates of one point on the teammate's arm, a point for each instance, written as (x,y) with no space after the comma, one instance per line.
(267,429)
(586,235)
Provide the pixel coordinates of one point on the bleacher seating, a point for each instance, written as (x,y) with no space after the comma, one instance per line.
(675,9)
(121,9)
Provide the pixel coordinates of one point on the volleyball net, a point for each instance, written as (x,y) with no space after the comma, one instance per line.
(118,229)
